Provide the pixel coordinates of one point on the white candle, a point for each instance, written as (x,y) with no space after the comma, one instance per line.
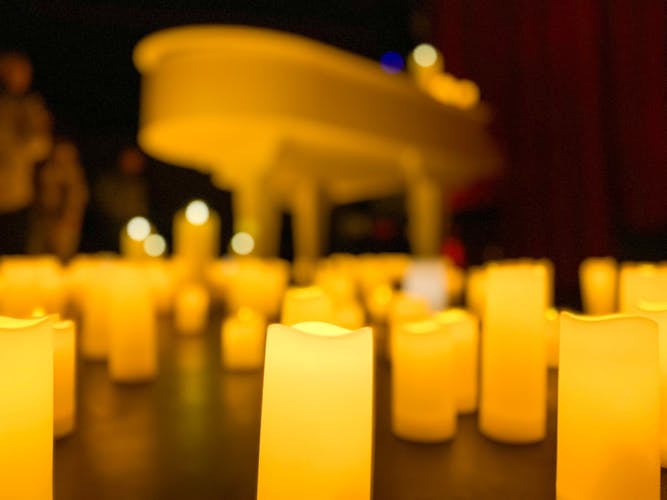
(132,329)
(243,335)
(463,327)
(422,386)
(191,307)
(316,435)
(608,408)
(64,377)
(597,280)
(26,408)
(196,234)
(513,396)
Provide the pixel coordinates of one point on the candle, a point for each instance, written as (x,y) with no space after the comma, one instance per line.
(316,436)
(306,304)
(255,283)
(608,408)
(349,314)
(26,408)
(641,282)
(378,302)
(475,290)
(597,280)
(404,308)
(424,401)
(131,327)
(196,234)
(191,309)
(657,311)
(552,336)
(463,327)
(513,395)
(133,236)
(242,342)
(64,377)
(95,317)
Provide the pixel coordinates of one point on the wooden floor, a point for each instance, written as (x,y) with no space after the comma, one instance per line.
(194,434)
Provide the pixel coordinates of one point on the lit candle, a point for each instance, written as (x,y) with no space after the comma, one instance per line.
(657,311)
(608,408)
(552,336)
(597,280)
(242,342)
(64,377)
(463,327)
(131,327)
(191,306)
(513,396)
(404,308)
(133,236)
(424,405)
(349,314)
(316,437)
(641,282)
(95,316)
(378,302)
(196,234)
(306,304)
(26,408)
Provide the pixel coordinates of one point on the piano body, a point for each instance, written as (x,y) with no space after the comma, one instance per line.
(289,124)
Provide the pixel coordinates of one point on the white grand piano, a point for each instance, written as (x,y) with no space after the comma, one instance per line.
(290,124)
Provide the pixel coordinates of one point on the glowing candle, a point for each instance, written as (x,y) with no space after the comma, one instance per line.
(597,280)
(242,343)
(132,330)
(349,314)
(191,306)
(95,329)
(133,236)
(197,234)
(26,408)
(657,311)
(475,290)
(513,394)
(405,308)
(64,377)
(641,282)
(423,406)
(463,327)
(552,337)
(316,434)
(608,408)
(306,304)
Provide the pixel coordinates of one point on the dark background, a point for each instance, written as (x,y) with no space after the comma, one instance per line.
(577,87)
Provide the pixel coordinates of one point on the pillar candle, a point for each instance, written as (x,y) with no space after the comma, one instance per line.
(132,237)
(191,307)
(26,408)
(597,283)
(316,436)
(424,401)
(306,304)
(348,314)
(132,330)
(657,311)
(608,408)
(196,234)
(641,282)
(475,290)
(404,308)
(242,343)
(94,328)
(513,394)
(552,336)
(463,327)
(64,377)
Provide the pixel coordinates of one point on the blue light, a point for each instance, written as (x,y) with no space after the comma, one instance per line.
(392,62)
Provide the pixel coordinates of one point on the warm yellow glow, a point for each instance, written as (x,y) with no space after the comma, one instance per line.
(423,383)
(38,312)
(513,398)
(242,243)
(191,307)
(316,436)
(552,336)
(657,311)
(463,327)
(64,377)
(598,285)
(242,340)
(197,212)
(155,245)
(138,228)
(26,408)
(306,304)
(425,55)
(608,442)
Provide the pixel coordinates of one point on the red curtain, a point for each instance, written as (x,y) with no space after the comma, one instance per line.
(579,93)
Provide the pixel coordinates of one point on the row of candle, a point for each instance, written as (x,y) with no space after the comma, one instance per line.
(498,417)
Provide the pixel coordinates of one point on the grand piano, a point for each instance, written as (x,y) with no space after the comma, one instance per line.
(288,124)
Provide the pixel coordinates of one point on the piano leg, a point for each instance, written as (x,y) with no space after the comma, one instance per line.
(310,227)
(256,212)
